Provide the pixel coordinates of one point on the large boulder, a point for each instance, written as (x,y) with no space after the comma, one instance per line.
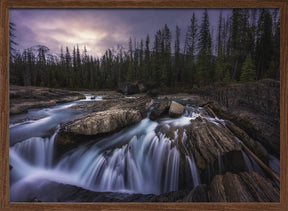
(128,88)
(176,109)
(210,139)
(243,187)
(105,117)
(141,87)
(93,125)
(104,122)
(261,128)
(160,109)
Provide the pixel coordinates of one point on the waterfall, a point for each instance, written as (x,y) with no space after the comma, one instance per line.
(220,163)
(137,159)
(193,169)
(247,161)
(147,164)
(36,151)
(274,163)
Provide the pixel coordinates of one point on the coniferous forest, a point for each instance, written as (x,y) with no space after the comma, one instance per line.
(201,122)
(244,47)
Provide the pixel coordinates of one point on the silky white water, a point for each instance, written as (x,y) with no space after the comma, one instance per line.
(138,159)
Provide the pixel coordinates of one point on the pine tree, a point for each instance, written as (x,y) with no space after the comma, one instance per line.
(191,42)
(68,68)
(41,65)
(131,67)
(227,76)
(136,60)
(242,41)
(141,61)
(248,70)
(235,42)
(147,61)
(166,76)
(264,43)
(177,64)
(205,72)
(156,57)
(220,66)
(75,70)
(62,59)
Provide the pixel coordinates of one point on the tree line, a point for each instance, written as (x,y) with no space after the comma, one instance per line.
(245,48)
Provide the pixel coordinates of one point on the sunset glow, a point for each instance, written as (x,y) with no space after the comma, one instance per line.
(97,29)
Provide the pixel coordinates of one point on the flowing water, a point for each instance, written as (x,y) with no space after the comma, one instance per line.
(220,163)
(138,159)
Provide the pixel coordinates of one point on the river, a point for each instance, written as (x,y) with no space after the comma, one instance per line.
(138,159)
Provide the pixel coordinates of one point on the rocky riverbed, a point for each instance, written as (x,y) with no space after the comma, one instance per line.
(24,98)
(172,148)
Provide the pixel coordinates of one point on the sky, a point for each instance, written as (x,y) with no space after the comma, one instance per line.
(99,29)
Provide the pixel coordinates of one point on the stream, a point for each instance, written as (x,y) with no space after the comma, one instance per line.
(137,159)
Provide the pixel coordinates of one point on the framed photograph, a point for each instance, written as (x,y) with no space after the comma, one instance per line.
(149,105)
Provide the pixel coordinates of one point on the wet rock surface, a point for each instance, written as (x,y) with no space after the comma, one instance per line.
(258,126)
(140,102)
(208,139)
(160,109)
(249,142)
(213,143)
(176,109)
(243,187)
(104,122)
(59,192)
(254,107)
(24,98)
(105,117)
(198,194)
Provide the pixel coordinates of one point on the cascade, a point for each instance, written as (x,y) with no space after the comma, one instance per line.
(220,163)
(247,161)
(194,171)
(137,159)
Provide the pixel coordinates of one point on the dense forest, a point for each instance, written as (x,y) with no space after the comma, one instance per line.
(245,48)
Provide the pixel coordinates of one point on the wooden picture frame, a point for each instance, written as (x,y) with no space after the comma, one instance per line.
(5,5)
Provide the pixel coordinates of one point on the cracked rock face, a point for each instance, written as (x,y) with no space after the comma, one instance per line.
(243,187)
(115,115)
(104,121)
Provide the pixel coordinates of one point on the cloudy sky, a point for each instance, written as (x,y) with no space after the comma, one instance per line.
(99,29)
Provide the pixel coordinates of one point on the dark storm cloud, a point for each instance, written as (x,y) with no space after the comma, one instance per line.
(97,29)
